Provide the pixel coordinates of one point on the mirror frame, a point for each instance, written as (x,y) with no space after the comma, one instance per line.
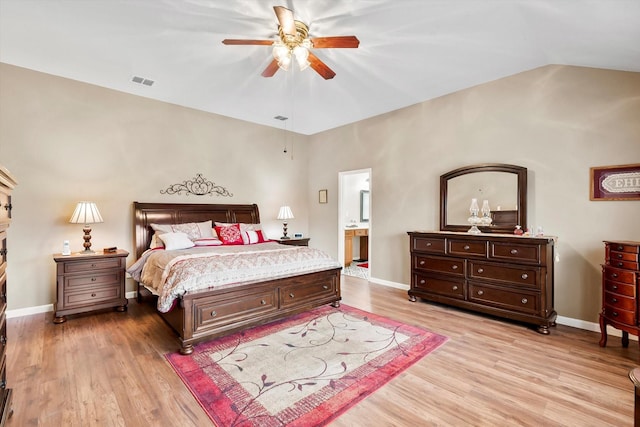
(364,205)
(521,173)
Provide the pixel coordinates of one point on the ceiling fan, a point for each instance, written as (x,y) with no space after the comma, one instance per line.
(294,43)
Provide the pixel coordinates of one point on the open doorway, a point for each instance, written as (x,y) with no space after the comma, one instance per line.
(354,222)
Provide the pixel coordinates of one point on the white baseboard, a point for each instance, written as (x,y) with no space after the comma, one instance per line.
(19,312)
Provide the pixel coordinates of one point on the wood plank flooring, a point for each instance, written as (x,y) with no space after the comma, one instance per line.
(108,369)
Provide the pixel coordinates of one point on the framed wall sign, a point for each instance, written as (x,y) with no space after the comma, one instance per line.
(322,196)
(615,182)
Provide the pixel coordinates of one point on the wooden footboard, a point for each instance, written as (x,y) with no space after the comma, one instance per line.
(212,313)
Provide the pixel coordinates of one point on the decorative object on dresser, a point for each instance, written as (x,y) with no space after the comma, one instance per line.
(86,213)
(88,282)
(620,288)
(215,311)
(502,184)
(294,241)
(285,215)
(7,184)
(501,275)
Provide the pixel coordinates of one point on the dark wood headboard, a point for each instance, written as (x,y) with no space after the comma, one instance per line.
(144,214)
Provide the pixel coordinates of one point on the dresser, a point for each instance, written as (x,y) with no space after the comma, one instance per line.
(88,282)
(7,184)
(501,275)
(620,285)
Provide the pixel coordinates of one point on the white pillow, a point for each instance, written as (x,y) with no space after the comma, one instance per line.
(176,241)
(208,242)
(195,230)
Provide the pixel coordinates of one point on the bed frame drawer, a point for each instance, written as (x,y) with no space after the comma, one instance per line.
(299,294)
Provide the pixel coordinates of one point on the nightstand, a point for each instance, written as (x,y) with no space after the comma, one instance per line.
(87,282)
(303,241)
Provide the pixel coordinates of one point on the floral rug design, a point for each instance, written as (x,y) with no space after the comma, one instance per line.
(305,370)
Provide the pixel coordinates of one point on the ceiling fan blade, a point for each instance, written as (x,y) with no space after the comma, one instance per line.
(285,18)
(337,41)
(244,42)
(271,69)
(320,67)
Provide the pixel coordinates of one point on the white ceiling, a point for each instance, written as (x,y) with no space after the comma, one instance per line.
(410,50)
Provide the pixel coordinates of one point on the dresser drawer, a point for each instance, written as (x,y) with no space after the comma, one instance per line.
(515,252)
(439,265)
(300,294)
(427,244)
(92,296)
(520,276)
(3,293)
(91,265)
(522,301)
(3,336)
(618,275)
(467,248)
(623,247)
(5,200)
(623,256)
(237,307)
(619,315)
(100,279)
(619,301)
(450,288)
(620,288)
(625,265)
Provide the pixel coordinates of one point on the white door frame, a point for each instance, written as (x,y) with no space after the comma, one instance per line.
(341,214)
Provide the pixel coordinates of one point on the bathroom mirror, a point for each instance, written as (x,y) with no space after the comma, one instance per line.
(504,186)
(364,206)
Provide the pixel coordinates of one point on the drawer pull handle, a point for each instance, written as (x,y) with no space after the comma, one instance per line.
(93,295)
(93,279)
(614,300)
(615,314)
(422,281)
(524,276)
(291,295)
(619,256)
(524,300)
(93,266)
(428,243)
(8,207)
(3,384)
(466,247)
(454,267)
(614,287)
(3,252)
(481,270)
(620,264)
(620,248)
(3,340)
(614,275)
(263,302)
(480,292)
(514,251)
(214,313)
(421,262)
(325,287)
(455,287)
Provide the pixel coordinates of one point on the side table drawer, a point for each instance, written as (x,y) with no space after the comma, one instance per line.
(72,282)
(90,265)
(619,315)
(93,296)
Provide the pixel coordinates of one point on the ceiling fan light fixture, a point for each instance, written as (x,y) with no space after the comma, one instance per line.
(302,54)
(285,62)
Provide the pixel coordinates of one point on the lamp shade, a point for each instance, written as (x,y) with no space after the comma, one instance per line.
(86,213)
(285,213)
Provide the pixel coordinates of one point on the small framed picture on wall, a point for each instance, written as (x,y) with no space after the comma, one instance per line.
(615,182)
(322,196)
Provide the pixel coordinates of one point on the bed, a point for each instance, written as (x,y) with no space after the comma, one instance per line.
(209,313)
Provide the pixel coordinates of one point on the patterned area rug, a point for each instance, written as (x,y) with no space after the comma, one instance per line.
(355,271)
(302,371)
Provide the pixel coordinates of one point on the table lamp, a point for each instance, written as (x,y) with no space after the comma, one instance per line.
(86,213)
(285,214)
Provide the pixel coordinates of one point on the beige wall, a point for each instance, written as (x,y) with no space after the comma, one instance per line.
(66,141)
(557,121)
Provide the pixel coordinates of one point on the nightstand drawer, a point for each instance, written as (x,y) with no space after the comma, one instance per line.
(90,265)
(92,296)
(101,279)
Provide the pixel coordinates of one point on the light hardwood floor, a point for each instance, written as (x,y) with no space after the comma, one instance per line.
(108,369)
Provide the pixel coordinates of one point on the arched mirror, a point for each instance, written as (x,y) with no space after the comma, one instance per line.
(504,186)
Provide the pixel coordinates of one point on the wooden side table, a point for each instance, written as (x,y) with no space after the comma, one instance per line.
(88,282)
(302,241)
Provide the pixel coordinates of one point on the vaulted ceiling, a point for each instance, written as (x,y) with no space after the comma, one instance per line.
(410,50)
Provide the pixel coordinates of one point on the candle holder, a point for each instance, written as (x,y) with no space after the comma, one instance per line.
(474,219)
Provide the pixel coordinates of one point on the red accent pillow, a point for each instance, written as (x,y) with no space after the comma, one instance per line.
(251,237)
(230,234)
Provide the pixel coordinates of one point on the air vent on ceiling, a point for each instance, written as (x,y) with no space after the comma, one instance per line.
(281,118)
(142,80)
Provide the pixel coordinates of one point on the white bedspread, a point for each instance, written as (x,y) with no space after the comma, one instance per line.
(171,274)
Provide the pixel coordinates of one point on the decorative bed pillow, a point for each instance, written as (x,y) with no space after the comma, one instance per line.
(243,225)
(194,230)
(251,237)
(230,234)
(176,241)
(156,242)
(208,242)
